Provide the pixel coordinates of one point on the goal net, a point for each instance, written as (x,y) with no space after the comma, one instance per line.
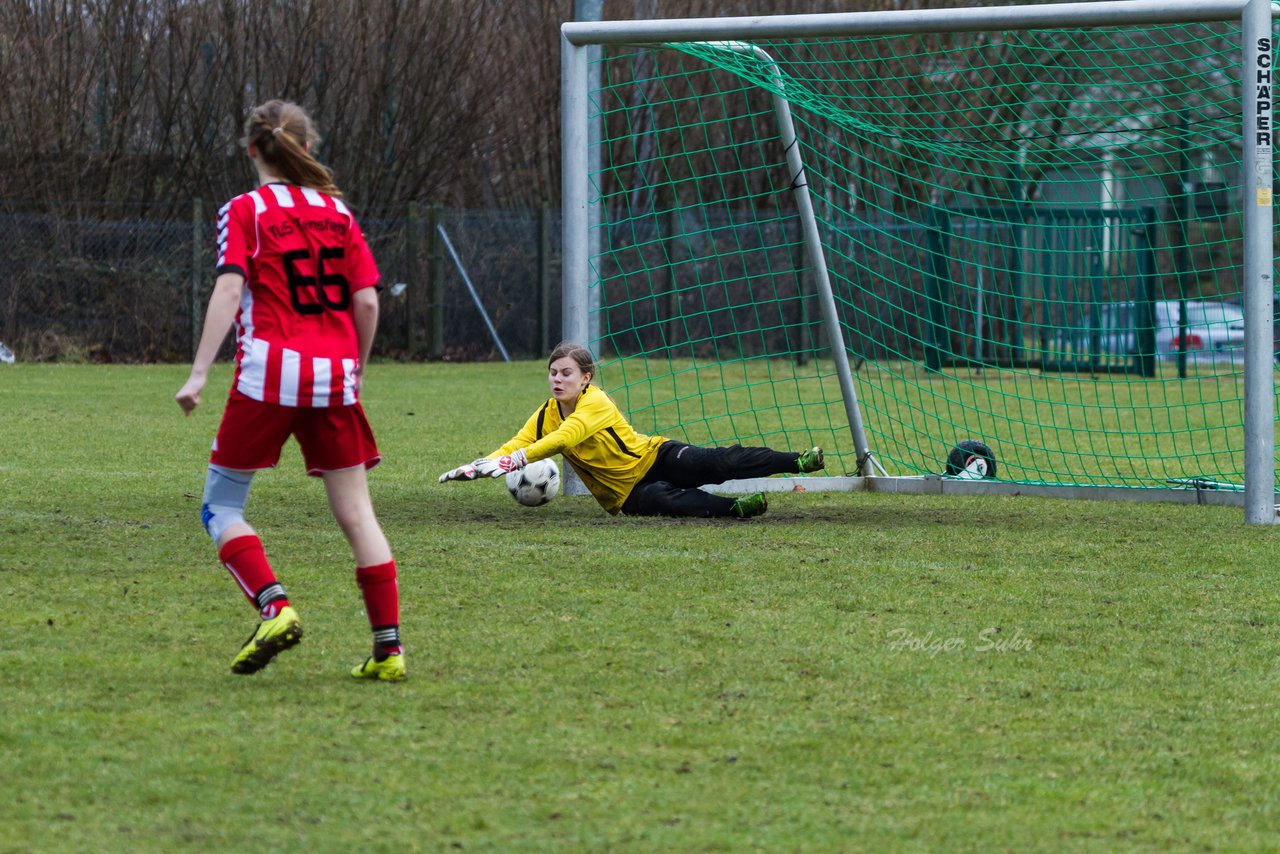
(1034,237)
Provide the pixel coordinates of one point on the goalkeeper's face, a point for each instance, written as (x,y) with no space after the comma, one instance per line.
(566,379)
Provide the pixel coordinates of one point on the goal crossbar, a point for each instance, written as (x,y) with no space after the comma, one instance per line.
(904,22)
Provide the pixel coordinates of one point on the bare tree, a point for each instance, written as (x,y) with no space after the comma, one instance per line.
(141,103)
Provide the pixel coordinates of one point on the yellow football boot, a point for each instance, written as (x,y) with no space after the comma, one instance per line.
(390,669)
(268,640)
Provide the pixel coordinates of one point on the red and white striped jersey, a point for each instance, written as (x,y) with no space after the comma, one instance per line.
(302,255)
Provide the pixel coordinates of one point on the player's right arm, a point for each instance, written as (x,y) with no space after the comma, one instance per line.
(594,413)
(485,466)
(527,436)
(223,305)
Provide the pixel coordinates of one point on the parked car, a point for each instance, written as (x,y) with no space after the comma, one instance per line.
(1275,325)
(1214,330)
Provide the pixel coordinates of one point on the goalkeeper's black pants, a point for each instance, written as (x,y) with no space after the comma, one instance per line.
(671,486)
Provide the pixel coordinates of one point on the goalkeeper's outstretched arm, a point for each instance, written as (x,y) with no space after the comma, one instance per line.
(499,462)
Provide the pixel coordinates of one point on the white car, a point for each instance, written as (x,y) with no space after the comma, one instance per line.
(1214,330)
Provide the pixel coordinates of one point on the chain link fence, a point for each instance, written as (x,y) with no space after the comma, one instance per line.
(93,284)
(89,284)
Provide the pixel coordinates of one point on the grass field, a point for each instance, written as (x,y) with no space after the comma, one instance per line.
(847,673)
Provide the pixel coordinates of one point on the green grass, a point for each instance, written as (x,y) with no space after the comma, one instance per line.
(820,679)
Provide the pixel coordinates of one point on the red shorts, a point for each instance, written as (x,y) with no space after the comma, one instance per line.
(252,433)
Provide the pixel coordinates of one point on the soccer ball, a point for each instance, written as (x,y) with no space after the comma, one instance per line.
(535,484)
(971,460)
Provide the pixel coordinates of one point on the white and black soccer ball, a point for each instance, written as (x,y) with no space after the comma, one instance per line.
(971,460)
(535,484)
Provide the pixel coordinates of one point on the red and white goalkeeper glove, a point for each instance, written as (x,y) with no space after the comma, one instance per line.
(500,466)
(486,467)
(467,472)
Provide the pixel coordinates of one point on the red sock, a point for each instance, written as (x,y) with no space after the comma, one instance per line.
(382,603)
(246,560)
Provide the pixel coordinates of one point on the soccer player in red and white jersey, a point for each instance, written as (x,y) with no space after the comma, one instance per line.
(298,280)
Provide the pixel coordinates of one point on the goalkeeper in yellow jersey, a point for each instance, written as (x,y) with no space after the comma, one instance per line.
(626,471)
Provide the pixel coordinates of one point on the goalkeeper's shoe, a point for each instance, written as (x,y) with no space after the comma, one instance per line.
(750,505)
(810,460)
(389,669)
(268,640)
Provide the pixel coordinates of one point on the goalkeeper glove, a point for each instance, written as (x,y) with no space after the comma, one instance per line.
(467,472)
(500,466)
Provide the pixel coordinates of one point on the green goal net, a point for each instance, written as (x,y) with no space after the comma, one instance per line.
(1033,239)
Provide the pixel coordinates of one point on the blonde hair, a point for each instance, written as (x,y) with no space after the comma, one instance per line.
(282,133)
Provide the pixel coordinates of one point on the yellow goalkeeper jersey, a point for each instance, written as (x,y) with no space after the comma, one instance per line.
(596,439)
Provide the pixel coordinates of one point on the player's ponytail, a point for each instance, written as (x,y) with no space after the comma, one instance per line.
(284,135)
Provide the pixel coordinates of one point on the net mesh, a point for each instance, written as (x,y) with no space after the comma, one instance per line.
(1033,239)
